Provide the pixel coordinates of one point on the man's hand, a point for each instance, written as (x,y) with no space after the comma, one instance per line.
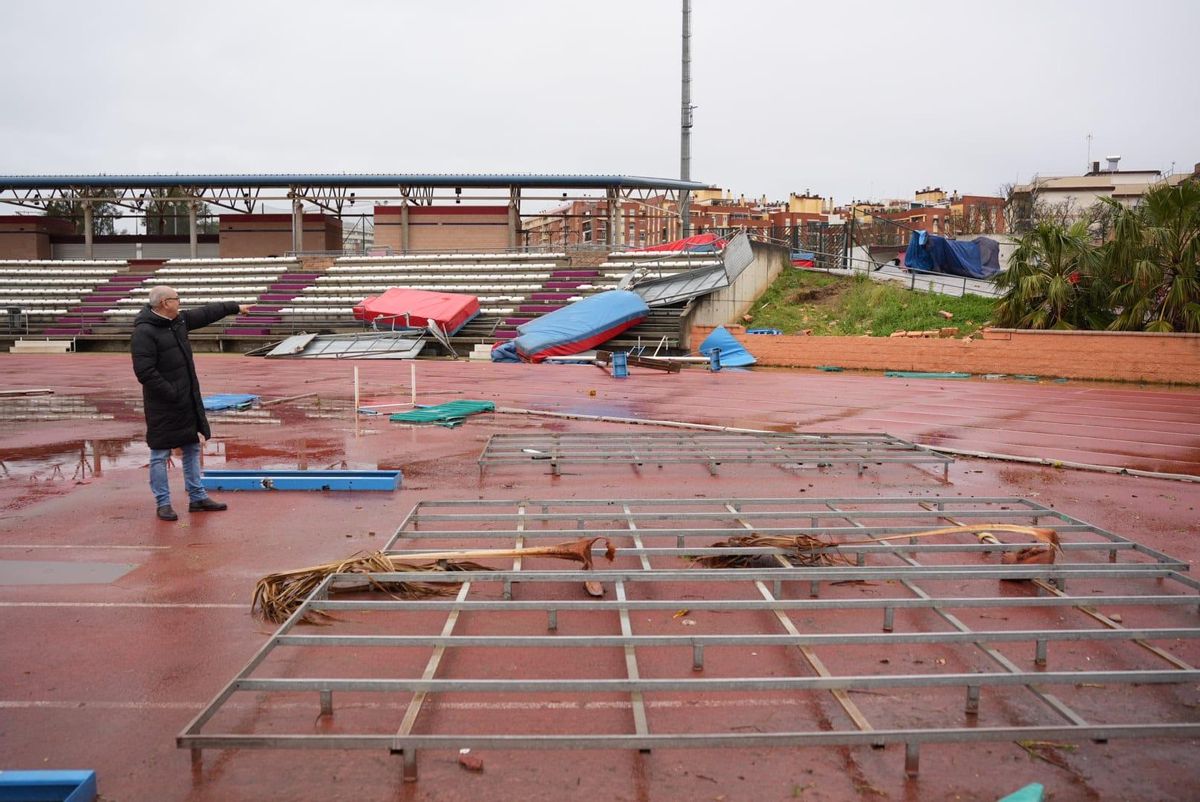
(244,308)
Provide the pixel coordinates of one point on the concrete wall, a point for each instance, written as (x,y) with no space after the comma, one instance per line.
(135,250)
(1117,356)
(30,236)
(443,228)
(729,304)
(252,235)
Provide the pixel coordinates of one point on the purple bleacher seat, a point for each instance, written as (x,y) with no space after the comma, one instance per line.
(568,274)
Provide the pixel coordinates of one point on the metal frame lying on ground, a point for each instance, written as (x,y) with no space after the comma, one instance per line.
(655,667)
(710,449)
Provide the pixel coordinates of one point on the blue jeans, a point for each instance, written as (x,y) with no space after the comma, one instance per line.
(191,474)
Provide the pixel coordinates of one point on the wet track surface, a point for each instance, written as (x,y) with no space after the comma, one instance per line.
(104,674)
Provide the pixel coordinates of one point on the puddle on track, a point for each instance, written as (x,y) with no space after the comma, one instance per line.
(82,459)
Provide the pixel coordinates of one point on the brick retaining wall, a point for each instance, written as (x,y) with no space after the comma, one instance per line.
(1118,356)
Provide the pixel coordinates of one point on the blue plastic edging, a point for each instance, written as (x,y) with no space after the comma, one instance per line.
(47,786)
(301,480)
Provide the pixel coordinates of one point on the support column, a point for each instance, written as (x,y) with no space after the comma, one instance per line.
(404,237)
(297,225)
(192,239)
(610,212)
(514,217)
(87,229)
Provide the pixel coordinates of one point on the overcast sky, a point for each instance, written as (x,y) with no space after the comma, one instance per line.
(850,99)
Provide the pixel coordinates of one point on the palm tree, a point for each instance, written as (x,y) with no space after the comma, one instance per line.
(1154,261)
(1052,281)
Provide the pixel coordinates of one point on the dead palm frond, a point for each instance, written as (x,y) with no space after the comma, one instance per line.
(806,550)
(802,550)
(277,596)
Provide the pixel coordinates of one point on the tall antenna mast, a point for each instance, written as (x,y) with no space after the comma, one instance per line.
(685,127)
(1088,167)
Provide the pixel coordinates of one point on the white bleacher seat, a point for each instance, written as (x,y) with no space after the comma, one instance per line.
(193,288)
(402,280)
(445,257)
(671,263)
(469,289)
(414,268)
(232,272)
(67,263)
(24,290)
(39,273)
(247,260)
(9,281)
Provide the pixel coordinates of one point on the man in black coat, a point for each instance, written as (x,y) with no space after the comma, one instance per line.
(163,363)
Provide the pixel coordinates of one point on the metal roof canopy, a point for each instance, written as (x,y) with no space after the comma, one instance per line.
(1011,661)
(348,180)
(328,192)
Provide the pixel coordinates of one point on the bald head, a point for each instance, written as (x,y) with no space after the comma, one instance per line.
(164,301)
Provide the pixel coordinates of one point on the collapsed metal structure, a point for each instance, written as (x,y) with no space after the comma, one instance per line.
(711,449)
(633,678)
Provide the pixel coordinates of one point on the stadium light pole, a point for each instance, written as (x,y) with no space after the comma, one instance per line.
(685,133)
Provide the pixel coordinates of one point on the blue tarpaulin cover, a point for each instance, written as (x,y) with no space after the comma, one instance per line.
(229,401)
(979,258)
(505,352)
(733,355)
(581,325)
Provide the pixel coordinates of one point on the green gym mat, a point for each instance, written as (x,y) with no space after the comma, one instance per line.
(449,414)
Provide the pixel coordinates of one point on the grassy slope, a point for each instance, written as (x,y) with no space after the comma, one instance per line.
(801,299)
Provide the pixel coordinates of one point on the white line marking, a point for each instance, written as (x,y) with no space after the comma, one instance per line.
(148,605)
(96,548)
(100,547)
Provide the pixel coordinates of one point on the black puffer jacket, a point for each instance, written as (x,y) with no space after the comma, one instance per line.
(162,361)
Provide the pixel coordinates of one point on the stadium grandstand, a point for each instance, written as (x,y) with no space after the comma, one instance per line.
(444,233)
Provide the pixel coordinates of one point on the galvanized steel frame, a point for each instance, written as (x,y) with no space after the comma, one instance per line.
(516,522)
(710,449)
